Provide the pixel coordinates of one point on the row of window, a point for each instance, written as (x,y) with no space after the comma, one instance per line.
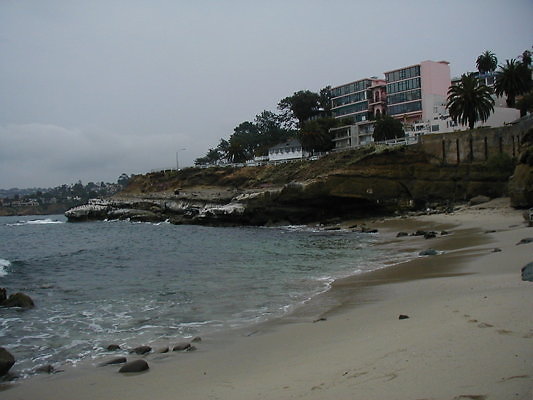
(285,150)
(351,88)
(353,98)
(404,108)
(405,73)
(403,85)
(402,97)
(363,106)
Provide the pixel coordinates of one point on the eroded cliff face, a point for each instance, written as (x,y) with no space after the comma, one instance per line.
(521,183)
(357,183)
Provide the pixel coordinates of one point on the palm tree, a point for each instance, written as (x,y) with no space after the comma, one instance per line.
(470,101)
(513,79)
(486,62)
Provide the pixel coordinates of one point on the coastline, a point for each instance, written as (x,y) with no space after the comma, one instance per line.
(469,331)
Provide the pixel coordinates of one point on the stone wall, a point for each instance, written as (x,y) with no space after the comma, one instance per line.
(477,145)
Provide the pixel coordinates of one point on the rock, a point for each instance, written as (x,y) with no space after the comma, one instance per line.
(3,295)
(141,350)
(181,346)
(428,252)
(474,201)
(368,230)
(496,250)
(402,234)
(332,228)
(443,233)
(113,347)
(525,241)
(45,369)
(134,366)
(19,300)
(419,233)
(163,350)
(191,348)
(403,316)
(114,361)
(527,272)
(196,339)
(6,361)
(430,235)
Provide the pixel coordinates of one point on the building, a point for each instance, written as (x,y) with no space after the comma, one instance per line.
(289,150)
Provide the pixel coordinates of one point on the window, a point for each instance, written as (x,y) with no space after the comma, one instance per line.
(405,108)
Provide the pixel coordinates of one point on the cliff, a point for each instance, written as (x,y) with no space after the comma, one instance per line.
(367,181)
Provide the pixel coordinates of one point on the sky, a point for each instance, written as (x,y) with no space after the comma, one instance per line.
(93,89)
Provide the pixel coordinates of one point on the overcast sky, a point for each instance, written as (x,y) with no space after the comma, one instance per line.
(92,89)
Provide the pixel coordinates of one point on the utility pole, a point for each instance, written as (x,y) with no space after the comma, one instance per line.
(177,159)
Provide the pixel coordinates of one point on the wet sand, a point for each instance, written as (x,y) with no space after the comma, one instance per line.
(468,335)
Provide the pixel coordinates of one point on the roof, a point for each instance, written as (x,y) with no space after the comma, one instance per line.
(289,143)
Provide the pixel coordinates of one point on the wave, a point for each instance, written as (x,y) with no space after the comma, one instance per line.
(4,264)
(45,221)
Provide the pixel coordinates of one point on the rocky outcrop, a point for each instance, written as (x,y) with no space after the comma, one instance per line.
(16,300)
(521,183)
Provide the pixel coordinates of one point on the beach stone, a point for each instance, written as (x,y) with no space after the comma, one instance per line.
(134,366)
(428,252)
(402,234)
(163,350)
(45,369)
(19,300)
(525,241)
(141,350)
(196,339)
(443,233)
(474,201)
(113,347)
(114,361)
(430,235)
(6,361)
(181,346)
(403,316)
(496,250)
(527,272)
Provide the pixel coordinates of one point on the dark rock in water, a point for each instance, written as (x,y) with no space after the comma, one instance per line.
(430,235)
(419,233)
(191,348)
(527,272)
(525,241)
(163,350)
(181,346)
(474,201)
(113,347)
(114,361)
(443,233)
(402,234)
(18,300)
(196,339)
(45,369)
(496,250)
(368,230)
(141,350)
(403,316)
(134,366)
(428,252)
(332,228)
(3,295)
(6,361)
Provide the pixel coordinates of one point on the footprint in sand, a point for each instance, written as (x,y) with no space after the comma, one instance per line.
(484,325)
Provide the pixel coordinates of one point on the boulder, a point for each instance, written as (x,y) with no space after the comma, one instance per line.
(113,347)
(163,350)
(114,361)
(430,235)
(402,234)
(141,350)
(525,241)
(181,346)
(196,339)
(3,295)
(496,250)
(134,366)
(6,361)
(527,272)
(428,252)
(474,201)
(18,300)
(45,369)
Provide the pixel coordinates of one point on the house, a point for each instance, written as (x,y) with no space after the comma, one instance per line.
(290,150)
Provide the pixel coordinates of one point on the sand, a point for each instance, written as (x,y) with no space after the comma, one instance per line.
(469,334)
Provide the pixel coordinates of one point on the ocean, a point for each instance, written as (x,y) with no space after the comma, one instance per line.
(98,283)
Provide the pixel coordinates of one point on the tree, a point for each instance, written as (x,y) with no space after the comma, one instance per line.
(315,135)
(525,104)
(325,101)
(213,156)
(513,79)
(123,180)
(387,128)
(526,58)
(470,101)
(486,62)
(300,106)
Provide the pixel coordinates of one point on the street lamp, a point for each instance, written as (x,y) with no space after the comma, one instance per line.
(177,159)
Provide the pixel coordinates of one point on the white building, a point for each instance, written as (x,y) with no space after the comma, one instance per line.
(289,150)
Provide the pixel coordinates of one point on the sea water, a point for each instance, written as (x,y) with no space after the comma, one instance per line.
(129,283)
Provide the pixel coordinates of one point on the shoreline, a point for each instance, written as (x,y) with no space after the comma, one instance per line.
(358,348)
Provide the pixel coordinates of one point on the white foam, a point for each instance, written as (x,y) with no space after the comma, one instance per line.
(3,266)
(45,221)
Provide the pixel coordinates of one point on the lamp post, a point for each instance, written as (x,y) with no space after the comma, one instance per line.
(177,159)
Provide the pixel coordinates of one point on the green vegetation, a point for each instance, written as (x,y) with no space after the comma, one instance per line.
(513,79)
(486,62)
(470,101)
(501,164)
(387,128)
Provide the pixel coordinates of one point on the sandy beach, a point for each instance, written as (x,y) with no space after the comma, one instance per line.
(468,335)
